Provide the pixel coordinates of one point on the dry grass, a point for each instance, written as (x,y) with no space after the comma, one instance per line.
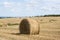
(49,29)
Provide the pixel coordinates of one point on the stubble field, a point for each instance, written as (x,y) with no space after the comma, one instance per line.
(49,29)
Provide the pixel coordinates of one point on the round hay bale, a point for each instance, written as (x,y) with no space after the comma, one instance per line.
(29,26)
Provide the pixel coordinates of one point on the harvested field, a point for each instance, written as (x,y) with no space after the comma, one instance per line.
(49,29)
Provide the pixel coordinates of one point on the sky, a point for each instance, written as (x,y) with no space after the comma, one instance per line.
(20,8)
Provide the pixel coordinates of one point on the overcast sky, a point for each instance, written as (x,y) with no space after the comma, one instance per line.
(29,7)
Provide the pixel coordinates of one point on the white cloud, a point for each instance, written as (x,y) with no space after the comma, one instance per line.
(28,6)
(18,4)
(11,4)
(52,0)
(33,6)
(14,6)
(7,4)
(14,10)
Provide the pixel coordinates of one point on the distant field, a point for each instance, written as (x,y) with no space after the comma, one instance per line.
(49,29)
